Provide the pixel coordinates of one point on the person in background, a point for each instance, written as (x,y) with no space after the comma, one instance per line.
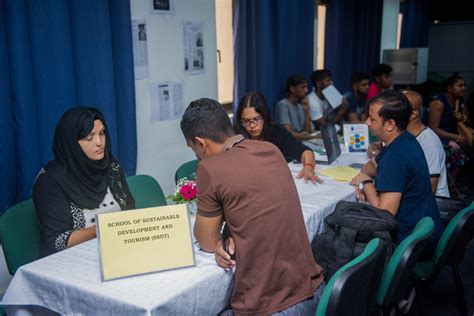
(253,122)
(398,180)
(431,145)
(320,109)
(247,183)
(382,80)
(357,97)
(82,180)
(448,121)
(292,112)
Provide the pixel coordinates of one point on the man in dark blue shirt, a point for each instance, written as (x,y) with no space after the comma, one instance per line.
(402,181)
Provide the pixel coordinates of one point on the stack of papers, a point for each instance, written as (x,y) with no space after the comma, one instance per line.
(343,173)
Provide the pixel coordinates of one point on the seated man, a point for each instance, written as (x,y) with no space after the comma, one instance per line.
(357,97)
(292,112)
(431,145)
(319,108)
(382,80)
(402,182)
(236,182)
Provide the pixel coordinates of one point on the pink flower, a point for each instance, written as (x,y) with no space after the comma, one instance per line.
(188,191)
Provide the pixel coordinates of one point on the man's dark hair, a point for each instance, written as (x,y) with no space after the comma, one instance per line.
(395,106)
(359,76)
(206,118)
(381,69)
(320,75)
(295,80)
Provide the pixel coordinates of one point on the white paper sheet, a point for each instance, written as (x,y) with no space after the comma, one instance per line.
(193,36)
(166,100)
(333,96)
(140,48)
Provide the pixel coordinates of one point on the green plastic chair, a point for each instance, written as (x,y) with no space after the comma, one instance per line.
(350,291)
(450,250)
(146,191)
(186,170)
(20,235)
(396,278)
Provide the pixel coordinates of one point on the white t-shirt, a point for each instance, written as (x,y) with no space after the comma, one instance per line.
(435,157)
(109,204)
(317,107)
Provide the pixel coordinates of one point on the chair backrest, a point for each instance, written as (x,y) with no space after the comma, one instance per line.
(452,245)
(396,277)
(146,191)
(186,170)
(20,235)
(349,292)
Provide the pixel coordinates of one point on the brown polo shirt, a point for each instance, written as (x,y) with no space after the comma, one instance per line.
(251,185)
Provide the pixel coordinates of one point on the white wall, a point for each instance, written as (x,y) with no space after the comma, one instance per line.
(225,43)
(389,25)
(161,146)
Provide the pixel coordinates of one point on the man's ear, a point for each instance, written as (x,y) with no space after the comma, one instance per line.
(414,114)
(199,141)
(390,125)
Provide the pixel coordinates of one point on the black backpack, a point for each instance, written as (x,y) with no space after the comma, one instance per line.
(347,230)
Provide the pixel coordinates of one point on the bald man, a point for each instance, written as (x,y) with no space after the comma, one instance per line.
(431,145)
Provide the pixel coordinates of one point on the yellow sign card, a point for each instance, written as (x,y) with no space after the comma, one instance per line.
(143,241)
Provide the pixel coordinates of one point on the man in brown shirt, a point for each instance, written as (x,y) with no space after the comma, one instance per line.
(248,185)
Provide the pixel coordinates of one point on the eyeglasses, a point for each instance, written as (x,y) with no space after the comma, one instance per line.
(248,122)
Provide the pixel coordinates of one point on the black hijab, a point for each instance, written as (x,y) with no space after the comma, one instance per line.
(84,180)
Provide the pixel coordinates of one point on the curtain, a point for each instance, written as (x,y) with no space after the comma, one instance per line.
(415,23)
(272,40)
(54,55)
(353,32)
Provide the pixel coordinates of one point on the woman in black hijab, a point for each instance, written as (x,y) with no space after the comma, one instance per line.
(83,180)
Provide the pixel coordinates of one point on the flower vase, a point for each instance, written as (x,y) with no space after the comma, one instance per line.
(192,207)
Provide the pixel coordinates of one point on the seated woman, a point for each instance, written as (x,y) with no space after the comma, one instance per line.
(447,119)
(253,121)
(83,180)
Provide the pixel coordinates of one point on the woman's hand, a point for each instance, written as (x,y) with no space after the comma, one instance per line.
(458,116)
(307,173)
(461,140)
(223,258)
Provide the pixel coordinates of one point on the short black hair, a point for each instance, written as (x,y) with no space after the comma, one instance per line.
(381,69)
(206,118)
(359,76)
(295,80)
(320,75)
(395,106)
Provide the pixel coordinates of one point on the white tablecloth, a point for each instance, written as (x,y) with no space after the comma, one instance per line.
(69,282)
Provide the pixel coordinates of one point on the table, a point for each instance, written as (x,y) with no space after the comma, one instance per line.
(69,282)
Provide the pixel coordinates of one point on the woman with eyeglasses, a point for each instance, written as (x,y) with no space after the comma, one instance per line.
(253,122)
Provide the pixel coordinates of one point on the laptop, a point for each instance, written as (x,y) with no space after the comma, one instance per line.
(331,144)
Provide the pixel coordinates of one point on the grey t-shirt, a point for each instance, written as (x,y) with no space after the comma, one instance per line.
(289,113)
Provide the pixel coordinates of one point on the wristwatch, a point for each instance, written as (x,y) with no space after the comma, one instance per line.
(363,183)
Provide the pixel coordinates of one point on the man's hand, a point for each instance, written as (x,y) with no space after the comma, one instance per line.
(344,105)
(305,104)
(355,182)
(374,149)
(222,257)
(307,173)
(360,195)
(359,178)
